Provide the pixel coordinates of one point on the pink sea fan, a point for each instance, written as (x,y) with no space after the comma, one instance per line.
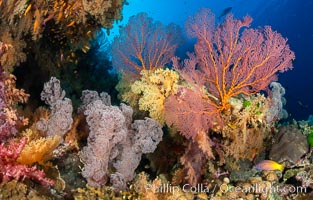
(144,44)
(190,112)
(230,59)
(235,59)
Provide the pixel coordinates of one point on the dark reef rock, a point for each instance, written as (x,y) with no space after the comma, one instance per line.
(291,145)
(14,190)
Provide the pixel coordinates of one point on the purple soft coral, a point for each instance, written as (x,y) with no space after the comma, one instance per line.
(10,169)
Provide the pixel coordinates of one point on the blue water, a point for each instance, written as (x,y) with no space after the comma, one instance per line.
(292,18)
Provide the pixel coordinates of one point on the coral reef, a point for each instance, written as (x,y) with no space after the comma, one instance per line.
(247,126)
(10,149)
(52,38)
(214,117)
(230,64)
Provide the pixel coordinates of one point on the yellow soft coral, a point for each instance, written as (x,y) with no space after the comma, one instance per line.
(38,150)
(152,89)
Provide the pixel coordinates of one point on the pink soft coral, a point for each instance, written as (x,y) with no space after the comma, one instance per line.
(10,169)
(9,97)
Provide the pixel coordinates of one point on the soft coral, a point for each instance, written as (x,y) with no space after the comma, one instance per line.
(11,169)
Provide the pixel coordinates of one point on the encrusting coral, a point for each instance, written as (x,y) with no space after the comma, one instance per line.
(14,190)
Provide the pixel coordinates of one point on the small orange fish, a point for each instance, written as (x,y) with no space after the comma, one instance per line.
(63,4)
(269,165)
(60,15)
(89,33)
(85,48)
(232,126)
(36,24)
(27,9)
(70,24)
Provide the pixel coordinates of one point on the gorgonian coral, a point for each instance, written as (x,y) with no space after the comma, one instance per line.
(144,44)
(228,61)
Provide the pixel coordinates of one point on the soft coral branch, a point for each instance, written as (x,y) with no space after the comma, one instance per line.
(10,169)
(9,97)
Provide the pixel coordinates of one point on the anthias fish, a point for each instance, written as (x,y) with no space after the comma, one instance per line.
(269,165)
(27,9)
(225,12)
